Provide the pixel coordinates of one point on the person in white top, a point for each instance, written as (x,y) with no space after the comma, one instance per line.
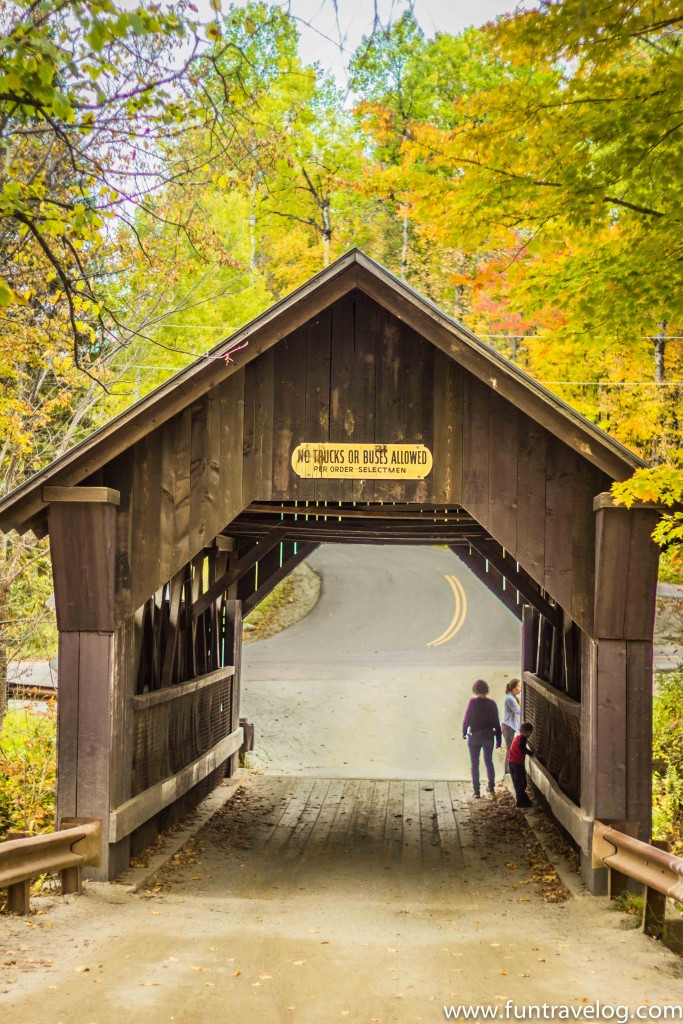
(512,716)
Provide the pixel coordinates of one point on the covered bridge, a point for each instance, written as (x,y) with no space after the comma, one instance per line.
(181,514)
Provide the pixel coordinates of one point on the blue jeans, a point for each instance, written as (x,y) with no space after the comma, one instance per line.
(481,742)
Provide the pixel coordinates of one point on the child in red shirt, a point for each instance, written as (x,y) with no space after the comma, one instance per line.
(518,751)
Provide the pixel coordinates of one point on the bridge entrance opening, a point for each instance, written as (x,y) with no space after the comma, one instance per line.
(353,410)
(374,681)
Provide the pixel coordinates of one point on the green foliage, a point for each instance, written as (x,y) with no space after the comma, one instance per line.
(667,751)
(28,770)
(670,569)
(662,484)
(86,89)
(667,807)
(31,631)
(547,150)
(629,903)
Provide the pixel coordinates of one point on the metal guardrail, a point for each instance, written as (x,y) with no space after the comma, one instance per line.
(660,872)
(655,868)
(76,844)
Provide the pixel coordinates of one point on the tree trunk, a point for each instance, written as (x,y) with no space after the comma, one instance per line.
(457,301)
(404,247)
(326,231)
(660,352)
(4,625)
(659,342)
(253,261)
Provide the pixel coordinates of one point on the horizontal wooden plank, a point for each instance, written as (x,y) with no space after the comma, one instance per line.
(388,513)
(574,819)
(107,494)
(606,500)
(560,700)
(136,811)
(328,532)
(142,701)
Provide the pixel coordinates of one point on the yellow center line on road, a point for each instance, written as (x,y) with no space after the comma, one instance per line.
(459,614)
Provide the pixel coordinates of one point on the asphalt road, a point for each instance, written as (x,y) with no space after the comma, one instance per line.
(373,683)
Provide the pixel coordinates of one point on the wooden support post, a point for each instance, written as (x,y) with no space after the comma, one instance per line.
(233,646)
(70,879)
(529,639)
(530,619)
(94,733)
(18,898)
(654,903)
(616,685)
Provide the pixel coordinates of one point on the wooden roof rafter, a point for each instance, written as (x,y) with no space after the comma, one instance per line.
(308,525)
(356,523)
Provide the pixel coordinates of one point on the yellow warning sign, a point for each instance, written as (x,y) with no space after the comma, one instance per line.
(324,460)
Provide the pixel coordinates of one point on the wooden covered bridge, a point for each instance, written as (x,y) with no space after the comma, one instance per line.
(181,514)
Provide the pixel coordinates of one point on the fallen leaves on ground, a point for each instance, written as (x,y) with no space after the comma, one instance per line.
(498,823)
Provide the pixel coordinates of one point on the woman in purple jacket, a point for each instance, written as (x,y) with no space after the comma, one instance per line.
(481,728)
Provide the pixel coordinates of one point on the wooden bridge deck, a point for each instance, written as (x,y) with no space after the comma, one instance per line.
(414,823)
(428,821)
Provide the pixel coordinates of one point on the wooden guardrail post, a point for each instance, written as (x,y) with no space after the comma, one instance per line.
(22,857)
(18,898)
(70,881)
(71,878)
(659,872)
(654,903)
(18,895)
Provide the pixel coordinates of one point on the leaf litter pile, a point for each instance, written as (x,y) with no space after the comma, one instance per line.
(241,821)
(236,826)
(502,827)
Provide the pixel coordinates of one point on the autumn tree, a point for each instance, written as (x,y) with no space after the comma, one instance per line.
(271,199)
(93,102)
(570,165)
(580,160)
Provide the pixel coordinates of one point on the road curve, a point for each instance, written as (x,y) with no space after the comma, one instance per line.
(387,606)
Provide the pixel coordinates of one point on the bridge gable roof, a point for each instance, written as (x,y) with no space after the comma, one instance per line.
(354,270)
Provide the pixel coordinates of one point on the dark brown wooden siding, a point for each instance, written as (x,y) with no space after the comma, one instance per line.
(355,372)
(180,486)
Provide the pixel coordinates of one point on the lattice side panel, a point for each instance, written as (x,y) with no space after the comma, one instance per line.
(169,736)
(556,741)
